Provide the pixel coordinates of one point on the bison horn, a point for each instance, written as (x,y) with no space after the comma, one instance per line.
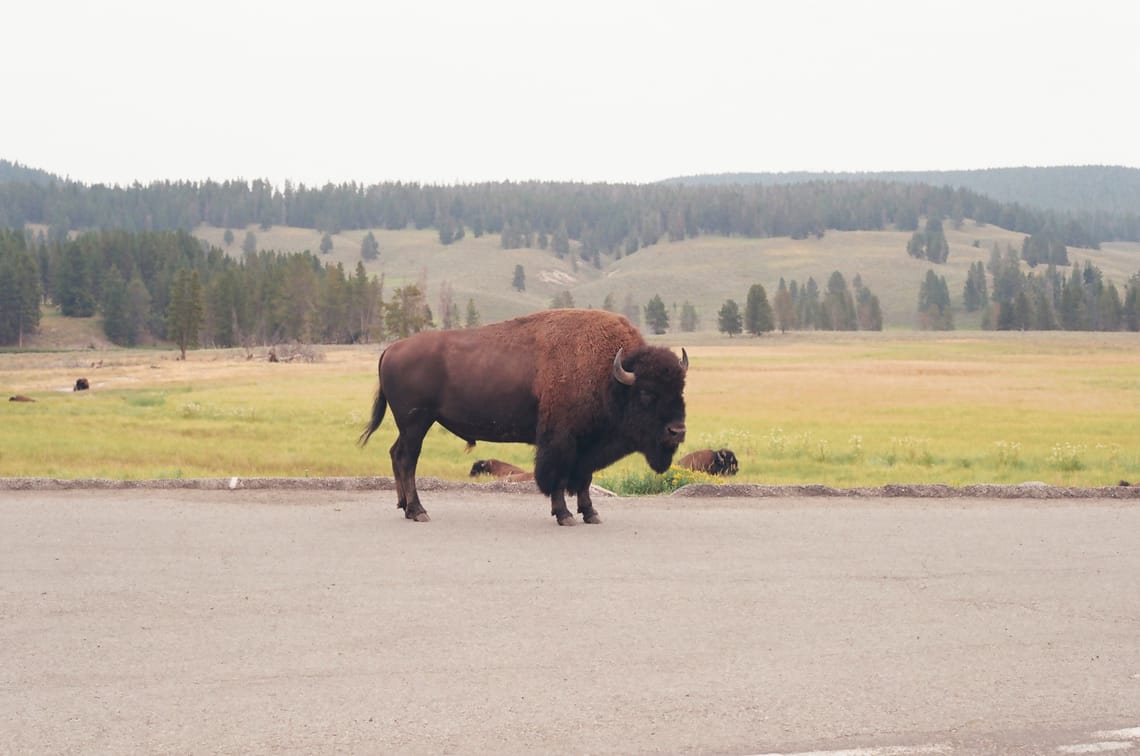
(684,360)
(621,375)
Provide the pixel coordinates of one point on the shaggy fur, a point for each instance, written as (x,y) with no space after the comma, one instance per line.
(545,379)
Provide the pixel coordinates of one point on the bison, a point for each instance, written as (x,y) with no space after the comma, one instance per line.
(719,462)
(582,386)
(496,467)
(81,384)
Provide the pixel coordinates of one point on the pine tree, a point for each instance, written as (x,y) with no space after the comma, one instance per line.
(20,291)
(519,282)
(472,319)
(689,318)
(757,311)
(656,317)
(249,244)
(184,315)
(784,308)
(728,319)
(369,247)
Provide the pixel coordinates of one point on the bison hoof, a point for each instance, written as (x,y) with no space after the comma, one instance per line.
(567,520)
(592,519)
(419,517)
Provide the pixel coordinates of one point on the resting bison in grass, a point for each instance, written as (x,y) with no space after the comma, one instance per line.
(582,386)
(719,462)
(495,467)
(81,384)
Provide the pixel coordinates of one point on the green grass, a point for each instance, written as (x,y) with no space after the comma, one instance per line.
(834,409)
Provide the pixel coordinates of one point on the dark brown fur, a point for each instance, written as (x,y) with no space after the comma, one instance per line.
(20,398)
(546,379)
(719,462)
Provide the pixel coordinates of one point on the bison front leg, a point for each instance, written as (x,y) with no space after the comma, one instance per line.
(550,478)
(586,507)
(579,484)
(558,508)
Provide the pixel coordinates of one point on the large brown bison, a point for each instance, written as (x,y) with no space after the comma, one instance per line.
(582,386)
(719,462)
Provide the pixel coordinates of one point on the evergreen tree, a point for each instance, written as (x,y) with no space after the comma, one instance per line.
(974,295)
(249,244)
(934,304)
(561,241)
(758,317)
(562,300)
(407,313)
(115,307)
(656,316)
(689,318)
(519,282)
(20,291)
(369,247)
(74,287)
(838,308)
(784,308)
(184,315)
(728,319)
(930,244)
(472,319)
(228,237)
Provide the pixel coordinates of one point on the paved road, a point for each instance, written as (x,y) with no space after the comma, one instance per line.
(181,621)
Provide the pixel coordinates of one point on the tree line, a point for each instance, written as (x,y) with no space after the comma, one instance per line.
(605,219)
(170,286)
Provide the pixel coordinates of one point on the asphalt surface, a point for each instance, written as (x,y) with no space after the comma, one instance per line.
(320,621)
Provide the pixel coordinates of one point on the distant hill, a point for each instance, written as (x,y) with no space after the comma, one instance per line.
(11,172)
(1089,188)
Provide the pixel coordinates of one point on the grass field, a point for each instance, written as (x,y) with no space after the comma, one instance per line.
(835,409)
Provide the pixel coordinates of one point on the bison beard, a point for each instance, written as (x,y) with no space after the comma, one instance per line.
(582,386)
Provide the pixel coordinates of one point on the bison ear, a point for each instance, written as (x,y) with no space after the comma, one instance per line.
(684,361)
(621,375)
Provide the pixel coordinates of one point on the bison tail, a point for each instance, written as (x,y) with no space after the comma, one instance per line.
(378,409)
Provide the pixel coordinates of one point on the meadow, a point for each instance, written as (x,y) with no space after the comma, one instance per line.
(704,270)
(839,409)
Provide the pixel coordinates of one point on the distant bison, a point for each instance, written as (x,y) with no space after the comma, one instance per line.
(581,385)
(496,467)
(81,385)
(719,462)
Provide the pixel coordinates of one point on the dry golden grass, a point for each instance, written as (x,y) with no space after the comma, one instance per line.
(836,409)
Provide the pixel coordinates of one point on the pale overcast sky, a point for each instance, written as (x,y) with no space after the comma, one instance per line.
(446,91)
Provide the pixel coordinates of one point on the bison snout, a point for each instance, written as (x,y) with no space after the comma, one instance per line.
(675,433)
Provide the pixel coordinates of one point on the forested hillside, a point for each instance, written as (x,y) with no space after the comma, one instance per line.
(1086,190)
(162,263)
(607,219)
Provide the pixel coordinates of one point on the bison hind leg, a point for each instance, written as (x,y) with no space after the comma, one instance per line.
(405,454)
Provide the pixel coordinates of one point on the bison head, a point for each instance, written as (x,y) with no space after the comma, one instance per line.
(482,467)
(724,463)
(650,382)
